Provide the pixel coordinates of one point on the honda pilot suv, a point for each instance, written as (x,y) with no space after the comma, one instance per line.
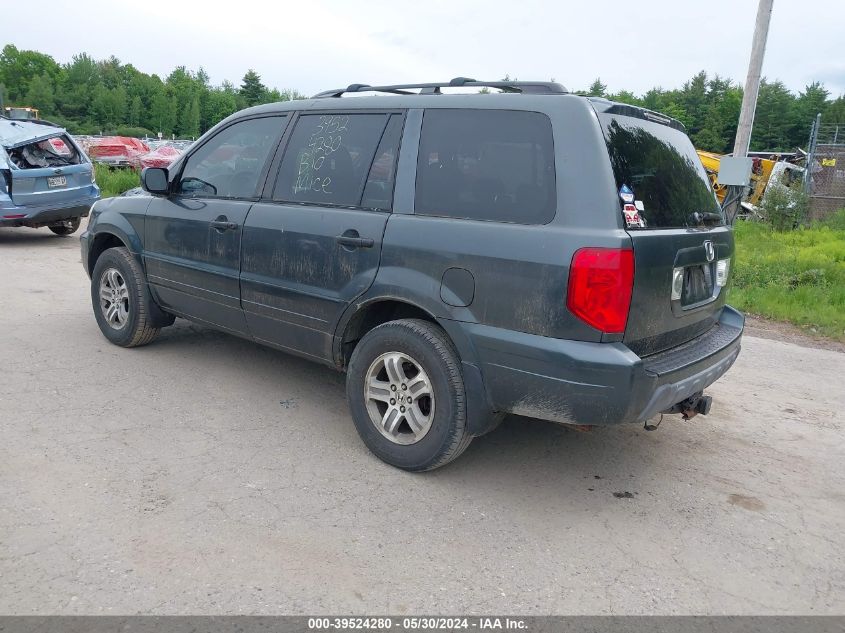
(459,256)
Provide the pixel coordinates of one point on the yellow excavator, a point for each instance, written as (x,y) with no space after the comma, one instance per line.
(763,172)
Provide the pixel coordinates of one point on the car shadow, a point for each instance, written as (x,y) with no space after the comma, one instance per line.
(24,237)
(520,452)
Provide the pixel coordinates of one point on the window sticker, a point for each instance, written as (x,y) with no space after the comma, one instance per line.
(626,194)
(632,217)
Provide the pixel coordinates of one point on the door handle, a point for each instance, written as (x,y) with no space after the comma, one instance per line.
(221,225)
(353,241)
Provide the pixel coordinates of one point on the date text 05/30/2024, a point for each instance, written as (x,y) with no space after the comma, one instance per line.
(416,624)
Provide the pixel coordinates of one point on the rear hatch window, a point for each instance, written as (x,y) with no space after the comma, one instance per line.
(658,171)
(57,151)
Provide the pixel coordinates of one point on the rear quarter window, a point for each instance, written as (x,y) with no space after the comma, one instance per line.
(494,165)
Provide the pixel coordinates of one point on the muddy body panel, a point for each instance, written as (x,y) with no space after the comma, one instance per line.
(576,382)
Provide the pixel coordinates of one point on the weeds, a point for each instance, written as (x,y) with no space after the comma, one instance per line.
(783,207)
(113,182)
(796,276)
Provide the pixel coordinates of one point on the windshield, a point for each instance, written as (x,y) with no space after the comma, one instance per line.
(658,171)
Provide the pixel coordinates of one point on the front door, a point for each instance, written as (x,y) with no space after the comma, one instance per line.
(192,238)
(314,246)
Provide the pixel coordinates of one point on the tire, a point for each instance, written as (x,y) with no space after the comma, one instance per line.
(62,229)
(410,345)
(116,269)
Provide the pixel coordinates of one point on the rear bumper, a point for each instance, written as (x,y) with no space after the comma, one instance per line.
(599,383)
(42,216)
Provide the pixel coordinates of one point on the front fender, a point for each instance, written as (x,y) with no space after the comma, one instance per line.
(123,218)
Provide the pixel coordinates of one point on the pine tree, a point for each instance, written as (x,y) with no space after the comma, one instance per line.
(252,90)
(694,101)
(597,88)
(810,103)
(772,121)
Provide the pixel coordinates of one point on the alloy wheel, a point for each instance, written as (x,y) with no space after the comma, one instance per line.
(399,398)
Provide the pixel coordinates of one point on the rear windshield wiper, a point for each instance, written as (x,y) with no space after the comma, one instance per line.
(700,218)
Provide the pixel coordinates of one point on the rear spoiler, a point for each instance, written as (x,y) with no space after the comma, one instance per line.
(603,106)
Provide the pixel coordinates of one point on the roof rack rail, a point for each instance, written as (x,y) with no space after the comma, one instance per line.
(524,87)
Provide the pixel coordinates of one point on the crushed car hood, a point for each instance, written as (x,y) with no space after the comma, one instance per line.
(14,133)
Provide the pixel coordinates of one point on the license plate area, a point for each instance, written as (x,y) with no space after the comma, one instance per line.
(698,285)
(56,181)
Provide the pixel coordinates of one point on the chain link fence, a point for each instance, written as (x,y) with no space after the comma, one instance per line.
(825,176)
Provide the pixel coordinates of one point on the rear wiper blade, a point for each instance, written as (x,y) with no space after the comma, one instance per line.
(699,218)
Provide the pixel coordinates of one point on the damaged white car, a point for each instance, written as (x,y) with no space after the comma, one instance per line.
(45,178)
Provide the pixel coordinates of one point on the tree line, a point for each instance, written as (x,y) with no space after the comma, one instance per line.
(709,108)
(88,96)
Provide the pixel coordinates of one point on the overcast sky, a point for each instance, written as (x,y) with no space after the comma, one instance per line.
(317,44)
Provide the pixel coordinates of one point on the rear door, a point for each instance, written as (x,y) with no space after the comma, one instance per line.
(192,238)
(314,245)
(50,172)
(682,248)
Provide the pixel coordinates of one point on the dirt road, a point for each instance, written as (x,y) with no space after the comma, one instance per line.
(206,474)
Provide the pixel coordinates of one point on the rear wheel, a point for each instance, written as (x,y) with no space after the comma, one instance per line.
(118,299)
(65,227)
(406,395)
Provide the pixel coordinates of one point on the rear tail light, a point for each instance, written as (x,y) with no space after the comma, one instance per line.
(601,281)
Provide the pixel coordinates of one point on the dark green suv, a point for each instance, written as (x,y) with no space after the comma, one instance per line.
(459,256)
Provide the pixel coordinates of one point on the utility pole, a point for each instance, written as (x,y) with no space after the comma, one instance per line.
(752,82)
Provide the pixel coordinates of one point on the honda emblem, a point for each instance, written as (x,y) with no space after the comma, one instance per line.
(709,250)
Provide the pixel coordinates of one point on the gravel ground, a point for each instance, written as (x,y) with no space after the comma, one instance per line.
(204,474)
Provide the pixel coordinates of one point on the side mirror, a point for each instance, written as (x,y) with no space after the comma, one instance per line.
(154,181)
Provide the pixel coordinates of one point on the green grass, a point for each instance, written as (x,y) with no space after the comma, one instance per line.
(113,182)
(796,276)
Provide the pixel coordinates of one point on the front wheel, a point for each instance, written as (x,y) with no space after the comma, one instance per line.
(65,227)
(406,395)
(117,296)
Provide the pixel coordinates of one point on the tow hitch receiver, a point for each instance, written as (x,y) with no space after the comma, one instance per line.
(689,408)
(692,406)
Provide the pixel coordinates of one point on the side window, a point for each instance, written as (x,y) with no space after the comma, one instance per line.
(378,191)
(229,164)
(328,158)
(495,165)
